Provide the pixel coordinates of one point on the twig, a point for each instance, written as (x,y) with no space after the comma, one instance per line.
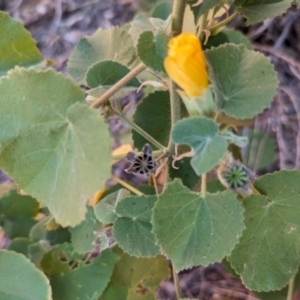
(278,54)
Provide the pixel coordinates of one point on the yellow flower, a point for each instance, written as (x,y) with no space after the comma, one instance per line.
(185,64)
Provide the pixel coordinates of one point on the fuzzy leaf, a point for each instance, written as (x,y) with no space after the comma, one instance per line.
(17,47)
(112,44)
(83,234)
(20,279)
(132,228)
(152,49)
(256,10)
(107,73)
(200,229)
(55,147)
(136,278)
(244,81)
(86,281)
(268,253)
(105,210)
(202,136)
(154,116)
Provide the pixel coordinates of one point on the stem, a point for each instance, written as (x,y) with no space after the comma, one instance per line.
(177,16)
(176,283)
(177,22)
(138,69)
(223,23)
(128,186)
(203,184)
(291,289)
(175,112)
(141,131)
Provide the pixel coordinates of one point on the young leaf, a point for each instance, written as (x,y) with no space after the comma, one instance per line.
(17,47)
(256,10)
(152,49)
(268,253)
(53,146)
(105,210)
(154,116)
(202,136)
(85,281)
(132,228)
(83,234)
(20,279)
(136,278)
(112,44)
(193,229)
(243,80)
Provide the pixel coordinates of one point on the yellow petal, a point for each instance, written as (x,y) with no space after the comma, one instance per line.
(185,64)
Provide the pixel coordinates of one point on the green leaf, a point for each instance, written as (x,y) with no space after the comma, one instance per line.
(18,206)
(39,232)
(55,147)
(17,47)
(152,48)
(20,245)
(132,228)
(112,44)
(139,24)
(243,80)
(101,76)
(202,136)
(136,278)
(162,10)
(33,251)
(20,279)
(260,152)
(185,172)
(153,115)
(200,229)
(86,281)
(58,261)
(83,234)
(228,36)
(107,73)
(17,213)
(105,209)
(256,10)
(268,253)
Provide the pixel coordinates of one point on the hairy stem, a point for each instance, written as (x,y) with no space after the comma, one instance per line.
(141,132)
(176,283)
(177,22)
(177,16)
(290,289)
(100,101)
(175,112)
